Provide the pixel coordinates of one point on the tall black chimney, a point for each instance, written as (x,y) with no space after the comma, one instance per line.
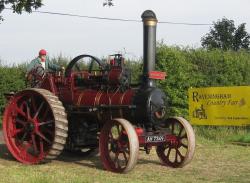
(149,45)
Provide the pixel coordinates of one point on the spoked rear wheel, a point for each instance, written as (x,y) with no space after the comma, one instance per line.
(119,146)
(180,150)
(35,126)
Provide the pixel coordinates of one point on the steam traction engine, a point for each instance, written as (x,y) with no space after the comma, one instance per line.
(96,107)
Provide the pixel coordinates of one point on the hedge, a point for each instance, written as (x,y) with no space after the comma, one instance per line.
(11,79)
(187,68)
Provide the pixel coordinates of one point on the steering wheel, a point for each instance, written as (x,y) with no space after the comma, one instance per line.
(74,62)
(35,76)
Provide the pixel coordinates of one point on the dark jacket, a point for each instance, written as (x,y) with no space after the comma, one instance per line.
(49,66)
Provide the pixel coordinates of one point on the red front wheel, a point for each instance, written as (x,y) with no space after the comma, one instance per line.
(35,126)
(180,151)
(119,146)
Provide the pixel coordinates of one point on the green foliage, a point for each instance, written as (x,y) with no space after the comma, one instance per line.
(60,60)
(173,61)
(199,68)
(225,35)
(136,70)
(11,79)
(18,6)
(245,138)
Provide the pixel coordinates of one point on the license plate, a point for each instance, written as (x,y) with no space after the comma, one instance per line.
(155,138)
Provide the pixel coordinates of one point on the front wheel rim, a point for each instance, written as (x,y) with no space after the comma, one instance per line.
(180,151)
(119,146)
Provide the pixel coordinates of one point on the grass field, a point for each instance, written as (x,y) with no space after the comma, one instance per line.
(213,162)
(224,134)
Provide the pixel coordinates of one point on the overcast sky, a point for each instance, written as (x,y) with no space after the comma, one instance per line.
(22,36)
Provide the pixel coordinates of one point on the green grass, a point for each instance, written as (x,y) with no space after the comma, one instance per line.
(243,138)
(213,162)
(223,134)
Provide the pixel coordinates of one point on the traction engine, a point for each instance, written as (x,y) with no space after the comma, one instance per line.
(95,106)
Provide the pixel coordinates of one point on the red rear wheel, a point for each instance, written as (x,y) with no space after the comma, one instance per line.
(34,126)
(119,146)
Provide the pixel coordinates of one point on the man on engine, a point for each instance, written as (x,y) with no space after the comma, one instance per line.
(43,61)
(37,68)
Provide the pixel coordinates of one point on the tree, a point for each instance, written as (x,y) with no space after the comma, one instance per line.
(108,3)
(18,6)
(224,35)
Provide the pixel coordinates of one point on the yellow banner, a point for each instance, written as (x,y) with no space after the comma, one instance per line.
(220,106)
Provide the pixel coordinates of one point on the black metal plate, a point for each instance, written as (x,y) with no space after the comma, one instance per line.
(155,138)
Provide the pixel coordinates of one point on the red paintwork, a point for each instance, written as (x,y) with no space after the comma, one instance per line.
(18,116)
(157,75)
(169,139)
(111,141)
(70,93)
(90,97)
(114,76)
(139,131)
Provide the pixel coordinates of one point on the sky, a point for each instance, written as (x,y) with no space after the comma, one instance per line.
(22,36)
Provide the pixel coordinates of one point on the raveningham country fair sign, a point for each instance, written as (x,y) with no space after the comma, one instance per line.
(220,106)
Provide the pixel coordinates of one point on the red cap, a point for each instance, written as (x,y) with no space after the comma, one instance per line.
(42,52)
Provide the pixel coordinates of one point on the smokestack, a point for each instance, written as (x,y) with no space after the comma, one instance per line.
(149,45)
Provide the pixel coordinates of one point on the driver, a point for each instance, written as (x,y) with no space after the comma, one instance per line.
(42,60)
